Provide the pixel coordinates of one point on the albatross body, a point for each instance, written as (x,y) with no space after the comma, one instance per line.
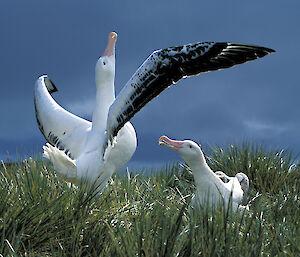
(80,149)
(75,145)
(211,188)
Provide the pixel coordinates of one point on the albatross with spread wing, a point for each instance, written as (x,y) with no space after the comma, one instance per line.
(80,149)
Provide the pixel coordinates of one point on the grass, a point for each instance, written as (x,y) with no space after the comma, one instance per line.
(149,215)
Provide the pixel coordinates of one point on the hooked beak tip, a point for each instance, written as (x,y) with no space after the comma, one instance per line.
(113,35)
(169,143)
(161,140)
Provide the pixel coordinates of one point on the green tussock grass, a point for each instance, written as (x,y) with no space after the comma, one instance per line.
(141,214)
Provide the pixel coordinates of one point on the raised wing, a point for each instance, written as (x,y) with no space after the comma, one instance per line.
(165,67)
(60,128)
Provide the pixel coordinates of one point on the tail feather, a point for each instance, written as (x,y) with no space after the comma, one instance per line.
(62,163)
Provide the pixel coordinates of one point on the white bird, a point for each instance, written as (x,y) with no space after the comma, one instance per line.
(242,179)
(80,149)
(210,189)
(75,145)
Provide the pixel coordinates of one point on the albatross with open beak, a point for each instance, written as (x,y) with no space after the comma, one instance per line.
(211,188)
(80,149)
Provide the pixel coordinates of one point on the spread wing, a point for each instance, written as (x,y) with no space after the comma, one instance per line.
(167,66)
(60,128)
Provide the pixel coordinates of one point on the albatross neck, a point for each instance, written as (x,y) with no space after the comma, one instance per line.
(105,96)
(202,173)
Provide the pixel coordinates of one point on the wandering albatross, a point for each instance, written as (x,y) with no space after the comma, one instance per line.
(80,149)
(212,188)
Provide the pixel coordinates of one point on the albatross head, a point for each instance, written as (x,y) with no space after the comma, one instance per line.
(244,182)
(189,150)
(105,67)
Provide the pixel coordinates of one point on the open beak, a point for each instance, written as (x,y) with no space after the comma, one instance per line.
(169,143)
(110,49)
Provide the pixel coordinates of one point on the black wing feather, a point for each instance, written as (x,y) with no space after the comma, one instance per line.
(167,66)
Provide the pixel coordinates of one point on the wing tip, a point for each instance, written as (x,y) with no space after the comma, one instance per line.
(48,83)
(266,50)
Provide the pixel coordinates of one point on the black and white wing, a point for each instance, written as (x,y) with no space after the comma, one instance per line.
(60,128)
(167,66)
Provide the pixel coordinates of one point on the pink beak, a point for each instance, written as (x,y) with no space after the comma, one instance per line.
(169,143)
(110,49)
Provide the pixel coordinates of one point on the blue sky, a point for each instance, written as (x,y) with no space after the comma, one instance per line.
(257,101)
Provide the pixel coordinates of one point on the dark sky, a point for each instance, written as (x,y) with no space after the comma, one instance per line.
(256,101)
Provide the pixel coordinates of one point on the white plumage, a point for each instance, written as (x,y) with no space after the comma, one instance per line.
(242,179)
(211,188)
(80,149)
(76,145)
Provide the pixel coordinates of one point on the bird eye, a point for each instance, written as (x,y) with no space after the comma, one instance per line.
(190,146)
(104,63)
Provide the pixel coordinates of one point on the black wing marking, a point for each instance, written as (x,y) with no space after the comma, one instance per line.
(165,67)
